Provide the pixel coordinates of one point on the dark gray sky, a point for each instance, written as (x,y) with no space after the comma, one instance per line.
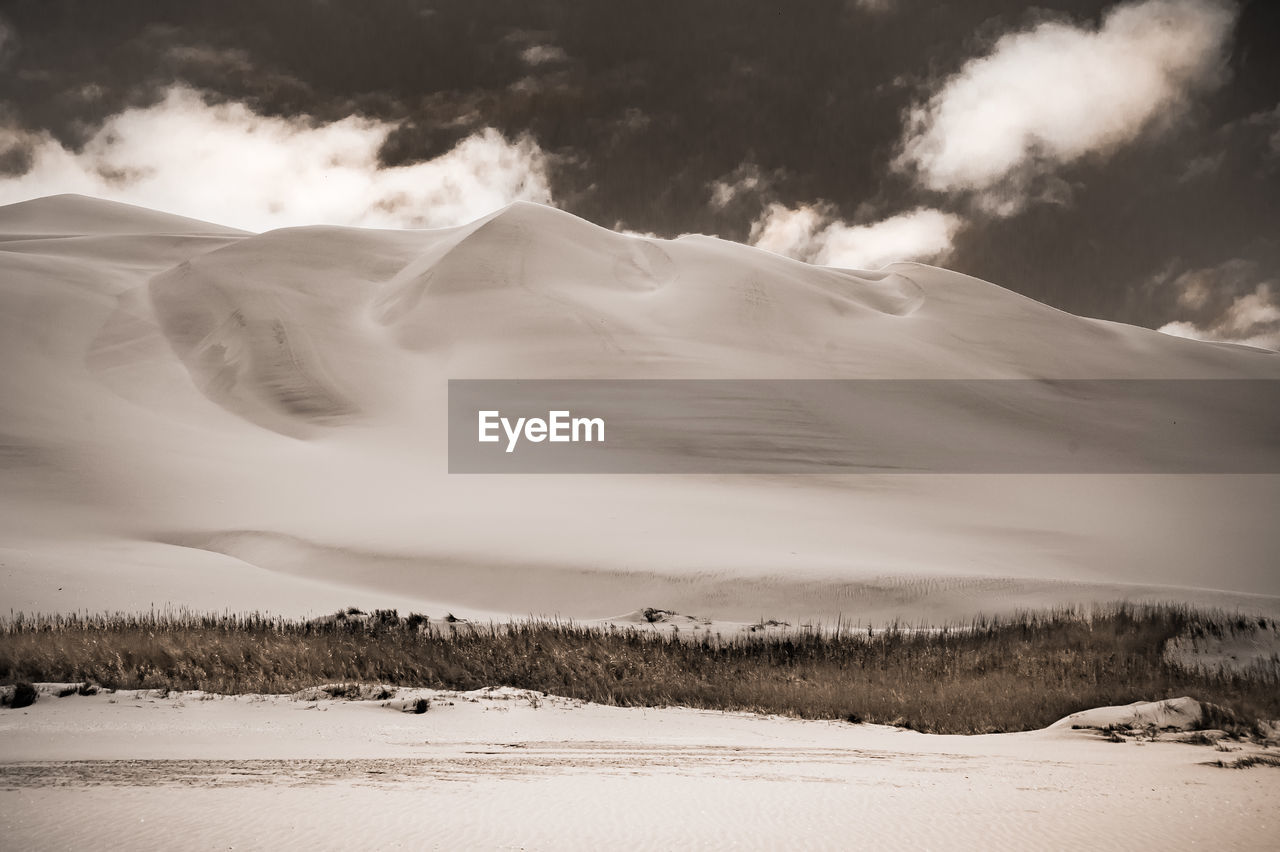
(1115,160)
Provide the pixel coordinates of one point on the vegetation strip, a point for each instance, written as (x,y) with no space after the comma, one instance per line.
(989,676)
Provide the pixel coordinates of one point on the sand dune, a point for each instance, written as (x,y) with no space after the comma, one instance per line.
(197,416)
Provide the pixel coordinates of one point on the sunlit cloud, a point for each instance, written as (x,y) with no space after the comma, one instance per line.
(1057,93)
(810,233)
(1252,320)
(1232,302)
(224,163)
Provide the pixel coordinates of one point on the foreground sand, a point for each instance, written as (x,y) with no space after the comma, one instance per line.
(505,769)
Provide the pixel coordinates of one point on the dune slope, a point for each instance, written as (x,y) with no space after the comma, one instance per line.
(196,416)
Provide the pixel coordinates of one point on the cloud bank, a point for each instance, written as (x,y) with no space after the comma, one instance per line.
(1056,93)
(1227,304)
(810,233)
(224,163)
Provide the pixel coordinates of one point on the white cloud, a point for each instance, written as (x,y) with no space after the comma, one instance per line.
(789,231)
(1056,93)
(1252,319)
(744,180)
(922,234)
(227,165)
(809,233)
(541,54)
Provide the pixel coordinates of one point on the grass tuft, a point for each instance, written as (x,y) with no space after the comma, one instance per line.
(1247,762)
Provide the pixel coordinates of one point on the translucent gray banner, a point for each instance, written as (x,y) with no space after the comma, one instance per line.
(864,426)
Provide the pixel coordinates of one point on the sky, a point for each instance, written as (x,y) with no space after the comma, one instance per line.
(1116,160)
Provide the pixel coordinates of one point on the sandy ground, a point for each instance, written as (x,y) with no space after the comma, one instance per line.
(504,769)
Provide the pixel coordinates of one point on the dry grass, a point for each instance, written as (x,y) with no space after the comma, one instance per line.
(987,676)
(1247,762)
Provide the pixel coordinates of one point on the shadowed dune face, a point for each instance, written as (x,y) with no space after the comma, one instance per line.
(252,322)
(168,381)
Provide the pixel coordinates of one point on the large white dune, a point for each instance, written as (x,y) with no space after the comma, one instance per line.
(192,415)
